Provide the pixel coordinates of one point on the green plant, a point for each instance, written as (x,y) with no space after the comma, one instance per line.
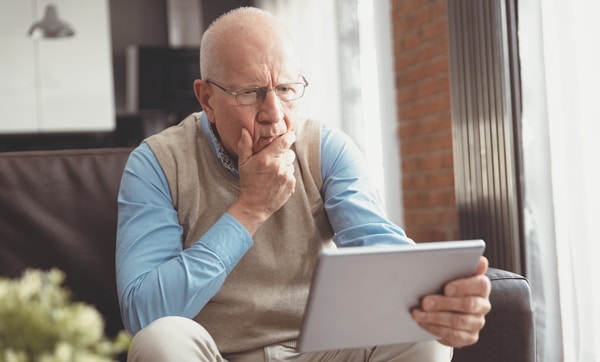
(40,323)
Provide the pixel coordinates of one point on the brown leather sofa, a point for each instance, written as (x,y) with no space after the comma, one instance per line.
(58,209)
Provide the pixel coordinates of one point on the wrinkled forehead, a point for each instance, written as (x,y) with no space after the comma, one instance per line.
(252,40)
(273,50)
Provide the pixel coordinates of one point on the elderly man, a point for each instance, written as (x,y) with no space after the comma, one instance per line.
(222,217)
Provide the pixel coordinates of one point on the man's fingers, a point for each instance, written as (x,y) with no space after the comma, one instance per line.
(454,329)
(482,267)
(459,321)
(288,157)
(478,285)
(281,145)
(462,296)
(458,315)
(464,304)
(452,337)
(244,146)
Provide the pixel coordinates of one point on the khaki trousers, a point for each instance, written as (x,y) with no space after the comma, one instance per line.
(179,339)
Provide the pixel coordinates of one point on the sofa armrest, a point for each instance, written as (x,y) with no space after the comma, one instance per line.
(509,332)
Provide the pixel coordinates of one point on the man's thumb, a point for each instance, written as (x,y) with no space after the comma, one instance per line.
(482,267)
(244,146)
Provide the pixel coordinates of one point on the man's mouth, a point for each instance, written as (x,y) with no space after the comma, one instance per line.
(264,141)
(270,139)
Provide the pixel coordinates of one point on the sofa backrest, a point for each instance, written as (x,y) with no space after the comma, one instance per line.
(59,209)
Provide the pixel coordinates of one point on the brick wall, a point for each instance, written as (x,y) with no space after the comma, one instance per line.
(423,98)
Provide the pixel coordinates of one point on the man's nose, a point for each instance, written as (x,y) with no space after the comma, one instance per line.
(271,109)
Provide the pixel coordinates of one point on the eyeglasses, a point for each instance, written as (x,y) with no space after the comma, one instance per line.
(252,95)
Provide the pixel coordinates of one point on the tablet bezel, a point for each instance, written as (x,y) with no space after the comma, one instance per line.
(351,303)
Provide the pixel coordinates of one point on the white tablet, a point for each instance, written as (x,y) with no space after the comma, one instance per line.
(362,296)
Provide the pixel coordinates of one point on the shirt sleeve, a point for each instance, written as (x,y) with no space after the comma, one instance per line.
(151,264)
(352,204)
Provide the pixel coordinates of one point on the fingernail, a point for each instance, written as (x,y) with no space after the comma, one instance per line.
(428,304)
(451,290)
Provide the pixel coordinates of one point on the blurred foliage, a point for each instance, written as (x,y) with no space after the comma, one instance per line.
(40,323)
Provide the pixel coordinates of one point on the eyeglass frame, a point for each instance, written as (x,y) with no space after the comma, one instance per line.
(261,92)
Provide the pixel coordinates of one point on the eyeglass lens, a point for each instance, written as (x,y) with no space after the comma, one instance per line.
(286,92)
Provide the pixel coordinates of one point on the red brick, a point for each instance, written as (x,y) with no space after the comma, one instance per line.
(428,234)
(424,107)
(428,180)
(426,87)
(424,118)
(436,122)
(431,216)
(431,197)
(424,162)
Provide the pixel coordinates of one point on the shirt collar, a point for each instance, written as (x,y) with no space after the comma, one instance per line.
(226,160)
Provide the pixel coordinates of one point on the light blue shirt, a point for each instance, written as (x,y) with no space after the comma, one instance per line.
(156,277)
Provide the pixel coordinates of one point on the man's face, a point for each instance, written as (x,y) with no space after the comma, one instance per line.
(263,63)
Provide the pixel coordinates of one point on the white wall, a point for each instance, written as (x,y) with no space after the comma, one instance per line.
(56,85)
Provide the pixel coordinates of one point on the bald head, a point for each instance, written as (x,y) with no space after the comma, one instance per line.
(239,35)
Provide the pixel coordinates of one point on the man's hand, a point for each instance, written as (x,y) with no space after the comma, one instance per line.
(458,315)
(266,179)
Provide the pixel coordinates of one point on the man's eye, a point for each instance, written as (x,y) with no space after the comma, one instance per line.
(285,88)
(249,92)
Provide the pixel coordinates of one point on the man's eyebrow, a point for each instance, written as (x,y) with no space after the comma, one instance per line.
(254,86)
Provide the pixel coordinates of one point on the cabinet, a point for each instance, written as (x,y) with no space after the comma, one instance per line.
(56,85)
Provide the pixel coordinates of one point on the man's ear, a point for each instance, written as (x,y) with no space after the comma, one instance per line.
(203,92)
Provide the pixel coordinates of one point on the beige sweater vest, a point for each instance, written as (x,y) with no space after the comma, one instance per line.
(263,298)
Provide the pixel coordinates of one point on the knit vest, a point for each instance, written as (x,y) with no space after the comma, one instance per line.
(262,300)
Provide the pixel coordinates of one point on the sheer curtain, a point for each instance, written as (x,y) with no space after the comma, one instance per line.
(560,67)
(313,26)
(345,49)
